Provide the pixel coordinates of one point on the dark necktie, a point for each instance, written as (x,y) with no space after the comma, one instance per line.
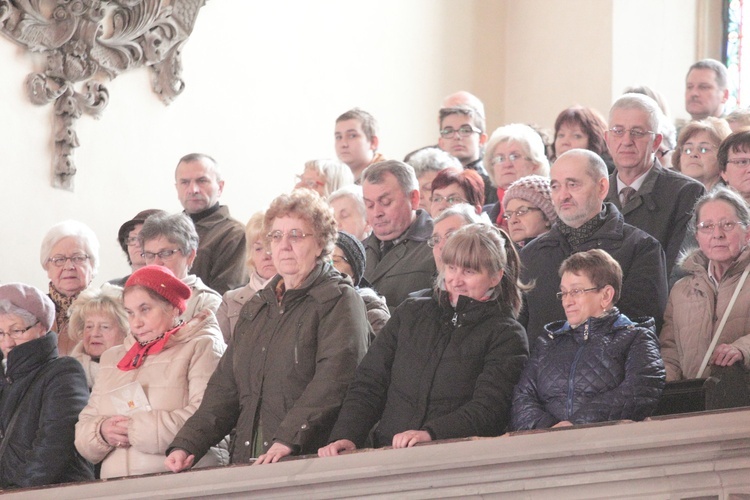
(626,194)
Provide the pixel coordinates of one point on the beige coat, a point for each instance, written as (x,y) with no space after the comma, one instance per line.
(232,302)
(202,297)
(173,380)
(694,311)
(90,366)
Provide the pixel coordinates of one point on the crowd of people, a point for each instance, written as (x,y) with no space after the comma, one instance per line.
(490,283)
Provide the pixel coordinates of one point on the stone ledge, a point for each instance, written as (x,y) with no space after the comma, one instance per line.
(706,454)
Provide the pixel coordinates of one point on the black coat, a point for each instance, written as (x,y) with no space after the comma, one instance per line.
(607,368)
(644,283)
(41,449)
(447,371)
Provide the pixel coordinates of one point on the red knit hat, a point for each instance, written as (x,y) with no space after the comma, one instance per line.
(161,280)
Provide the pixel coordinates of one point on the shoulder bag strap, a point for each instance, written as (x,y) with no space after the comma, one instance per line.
(711,348)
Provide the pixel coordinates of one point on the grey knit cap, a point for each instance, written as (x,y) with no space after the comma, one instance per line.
(534,189)
(354,252)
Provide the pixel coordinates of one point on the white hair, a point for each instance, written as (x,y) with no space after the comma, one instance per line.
(355,193)
(71,229)
(529,140)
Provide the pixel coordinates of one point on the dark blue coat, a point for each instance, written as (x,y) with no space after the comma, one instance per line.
(608,368)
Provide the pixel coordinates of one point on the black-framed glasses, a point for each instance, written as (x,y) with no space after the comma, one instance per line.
(295,236)
(635,133)
(576,292)
(163,255)
(60,260)
(519,213)
(462,131)
(16,333)
(727,226)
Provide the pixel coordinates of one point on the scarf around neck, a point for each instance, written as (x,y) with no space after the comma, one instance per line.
(136,356)
(62,304)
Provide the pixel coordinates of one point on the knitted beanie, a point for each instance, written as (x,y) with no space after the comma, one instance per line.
(354,253)
(534,189)
(161,280)
(31,300)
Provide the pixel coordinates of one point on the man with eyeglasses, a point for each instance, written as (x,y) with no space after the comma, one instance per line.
(650,197)
(579,185)
(399,261)
(463,135)
(220,262)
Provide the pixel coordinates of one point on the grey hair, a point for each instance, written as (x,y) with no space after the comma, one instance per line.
(595,166)
(432,160)
(727,195)
(355,193)
(71,229)
(177,228)
(8,307)
(719,70)
(643,103)
(529,140)
(464,210)
(201,157)
(403,173)
(336,173)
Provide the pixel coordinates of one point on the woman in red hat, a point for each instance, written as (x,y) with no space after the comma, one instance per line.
(149,386)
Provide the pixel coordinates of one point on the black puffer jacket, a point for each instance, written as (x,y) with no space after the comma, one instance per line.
(608,368)
(40,449)
(448,371)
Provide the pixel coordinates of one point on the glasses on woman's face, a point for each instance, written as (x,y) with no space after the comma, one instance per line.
(164,255)
(435,239)
(294,236)
(450,200)
(513,157)
(702,149)
(726,226)
(519,213)
(60,260)
(576,292)
(16,333)
(309,183)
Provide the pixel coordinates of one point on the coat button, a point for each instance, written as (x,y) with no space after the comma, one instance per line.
(263,349)
(265,443)
(247,443)
(304,426)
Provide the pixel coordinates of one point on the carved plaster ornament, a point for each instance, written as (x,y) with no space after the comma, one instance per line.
(88,42)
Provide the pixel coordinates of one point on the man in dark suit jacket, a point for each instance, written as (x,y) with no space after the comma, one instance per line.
(654,199)
(398,259)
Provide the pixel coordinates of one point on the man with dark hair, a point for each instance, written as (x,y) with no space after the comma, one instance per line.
(220,262)
(579,184)
(356,136)
(399,261)
(706,89)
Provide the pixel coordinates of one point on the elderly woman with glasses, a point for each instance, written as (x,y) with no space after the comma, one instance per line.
(699,301)
(698,148)
(70,255)
(295,348)
(453,185)
(41,395)
(170,240)
(734,162)
(529,211)
(513,151)
(596,366)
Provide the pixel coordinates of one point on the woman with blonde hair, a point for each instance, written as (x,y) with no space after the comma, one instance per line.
(97,322)
(261,269)
(325,176)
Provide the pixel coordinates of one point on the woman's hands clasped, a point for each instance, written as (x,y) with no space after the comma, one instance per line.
(114,430)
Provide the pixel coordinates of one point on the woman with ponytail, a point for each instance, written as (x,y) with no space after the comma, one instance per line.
(149,386)
(444,366)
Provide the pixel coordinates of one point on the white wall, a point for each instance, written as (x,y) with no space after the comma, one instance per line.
(266,80)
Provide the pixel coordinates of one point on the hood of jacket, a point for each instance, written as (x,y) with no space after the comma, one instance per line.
(608,324)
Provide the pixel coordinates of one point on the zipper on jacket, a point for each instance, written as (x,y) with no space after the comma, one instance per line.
(569,402)
(454,321)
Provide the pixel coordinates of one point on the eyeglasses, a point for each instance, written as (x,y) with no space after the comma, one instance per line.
(132,241)
(740,162)
(635,133)
(163,255)
(308,183)
(688,150)
(16,334)
(450,200)
(60,260)
(436,239)
(726,226)
(462,131)
(519,213)
(513,157)
(576,292)
(295,236)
